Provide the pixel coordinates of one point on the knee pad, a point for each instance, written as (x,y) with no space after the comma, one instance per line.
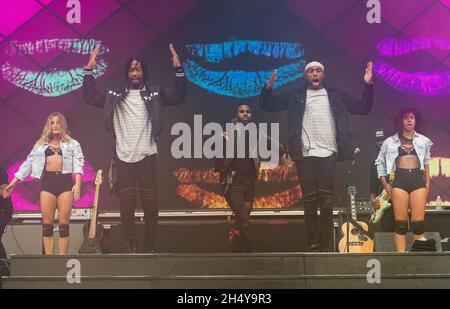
(417,227)
(310,197)
(401,227)
(47,230)
(127,193)
(127,198)
(63,230)
(249,207)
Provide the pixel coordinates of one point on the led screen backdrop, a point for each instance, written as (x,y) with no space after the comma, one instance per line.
(228,49)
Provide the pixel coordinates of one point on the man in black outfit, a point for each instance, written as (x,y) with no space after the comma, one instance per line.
(237,179)
(135,116)
(319,136)
(6,210)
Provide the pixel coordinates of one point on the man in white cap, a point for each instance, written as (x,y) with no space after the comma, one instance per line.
(319,136)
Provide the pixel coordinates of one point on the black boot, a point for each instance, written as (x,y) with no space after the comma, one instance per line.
(150,207)
(247,243)
(311,225)
(149,247)
(326,223)
(130,246)
(127,198)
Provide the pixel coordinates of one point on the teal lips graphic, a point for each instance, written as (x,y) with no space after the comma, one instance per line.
(53,82)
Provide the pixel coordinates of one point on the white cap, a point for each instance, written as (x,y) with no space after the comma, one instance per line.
(314,64)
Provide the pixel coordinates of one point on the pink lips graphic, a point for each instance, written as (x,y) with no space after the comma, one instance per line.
(431,83)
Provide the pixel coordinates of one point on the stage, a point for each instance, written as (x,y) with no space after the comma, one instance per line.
(193,252)
(283,270)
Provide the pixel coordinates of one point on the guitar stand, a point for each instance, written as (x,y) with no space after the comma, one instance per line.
(348,209)
(360,229)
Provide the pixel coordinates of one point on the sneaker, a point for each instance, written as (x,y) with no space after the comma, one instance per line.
(314,248)
(326,247)
(233,235)
(234,238)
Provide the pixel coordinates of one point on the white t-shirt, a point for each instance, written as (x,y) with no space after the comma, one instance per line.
(133,129)
(319,128)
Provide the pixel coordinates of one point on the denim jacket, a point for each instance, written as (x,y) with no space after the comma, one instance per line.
(73,160)
(389,152)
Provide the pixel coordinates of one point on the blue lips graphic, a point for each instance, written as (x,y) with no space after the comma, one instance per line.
(241,83)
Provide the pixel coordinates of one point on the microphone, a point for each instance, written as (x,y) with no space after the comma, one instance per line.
(355,152)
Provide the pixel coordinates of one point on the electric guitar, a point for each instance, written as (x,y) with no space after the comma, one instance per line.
(383,199)
(358,241)
(93,234)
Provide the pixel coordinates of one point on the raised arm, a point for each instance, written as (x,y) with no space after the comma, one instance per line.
(91,95)
(177,95)
(270,103)
(364,105)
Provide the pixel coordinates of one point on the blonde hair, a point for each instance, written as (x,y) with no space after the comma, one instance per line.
(47,135)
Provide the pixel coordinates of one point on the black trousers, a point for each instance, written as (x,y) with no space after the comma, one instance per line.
(239,197)
(138,178)
(316,177)
(6,211)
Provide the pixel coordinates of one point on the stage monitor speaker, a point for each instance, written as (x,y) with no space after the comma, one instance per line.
(385,242)
(25,239)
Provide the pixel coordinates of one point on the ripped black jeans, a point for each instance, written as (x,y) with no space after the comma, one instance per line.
(316,177)
(240,197)
(133,178)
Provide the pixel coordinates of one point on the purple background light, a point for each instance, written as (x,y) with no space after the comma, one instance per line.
(333,31)
(25,197)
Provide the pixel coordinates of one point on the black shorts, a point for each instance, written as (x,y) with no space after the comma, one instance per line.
(56,183)
(409,179)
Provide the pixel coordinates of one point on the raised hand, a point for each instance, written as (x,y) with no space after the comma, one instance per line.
(368,76)
(93,58)
(272,79)
(175,60)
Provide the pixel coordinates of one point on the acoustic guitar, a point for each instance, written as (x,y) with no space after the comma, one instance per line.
(357,240)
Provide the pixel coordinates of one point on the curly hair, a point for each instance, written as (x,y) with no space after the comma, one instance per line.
(143,66)
(397,121)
